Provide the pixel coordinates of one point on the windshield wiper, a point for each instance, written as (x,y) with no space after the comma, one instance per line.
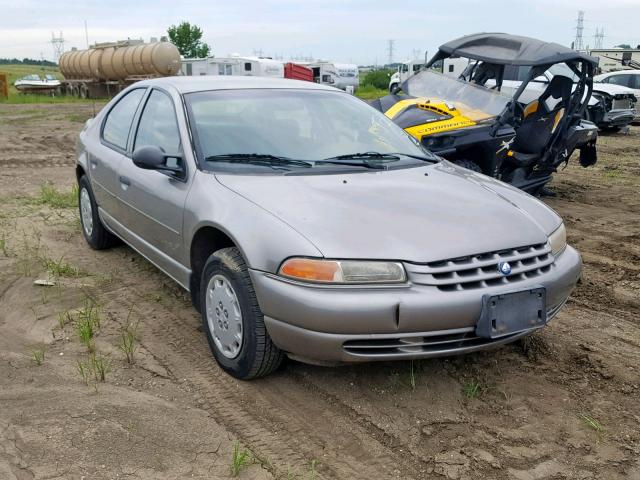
(364,162)
(366,155)
(424,158)
(257,159)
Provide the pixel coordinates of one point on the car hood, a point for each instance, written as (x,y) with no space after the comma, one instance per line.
(416,214)
(612,89)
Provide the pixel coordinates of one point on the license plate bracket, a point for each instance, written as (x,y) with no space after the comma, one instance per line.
(512,312)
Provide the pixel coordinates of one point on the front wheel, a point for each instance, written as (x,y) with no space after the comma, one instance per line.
(232,318)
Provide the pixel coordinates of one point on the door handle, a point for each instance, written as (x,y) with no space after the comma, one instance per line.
(125,181)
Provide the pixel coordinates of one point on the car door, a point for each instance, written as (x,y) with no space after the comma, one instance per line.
(151,201)
(104,157)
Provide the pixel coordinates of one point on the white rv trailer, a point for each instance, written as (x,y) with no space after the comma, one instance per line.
(340,75)
(233,65)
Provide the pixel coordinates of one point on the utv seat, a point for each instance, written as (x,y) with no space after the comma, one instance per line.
(540,118)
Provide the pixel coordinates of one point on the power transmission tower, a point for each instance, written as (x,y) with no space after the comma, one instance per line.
(58,46)
(598,38)
(577,44)
(390,48)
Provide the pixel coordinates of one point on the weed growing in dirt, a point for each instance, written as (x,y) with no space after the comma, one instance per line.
(3,246)
(52,197)
(592,423)
(312,472)
(472,389)
(60,268)
(87,323)
(239,460)
(129,338)
(63,319)
(95,369)
(38,356)
(29,252)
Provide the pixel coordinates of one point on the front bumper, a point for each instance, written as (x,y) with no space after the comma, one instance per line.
(617,118)
(355,324)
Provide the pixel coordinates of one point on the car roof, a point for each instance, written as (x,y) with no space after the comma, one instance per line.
(617,72)
(506,49)
(189,84)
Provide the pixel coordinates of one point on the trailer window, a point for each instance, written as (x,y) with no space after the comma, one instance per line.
(247,67)
(118,122)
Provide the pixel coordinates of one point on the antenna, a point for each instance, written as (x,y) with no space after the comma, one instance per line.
(58,46)
(577,44)
(390,47)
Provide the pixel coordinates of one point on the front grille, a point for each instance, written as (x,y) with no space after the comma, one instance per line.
(622,104)
(446,342)
(481,271)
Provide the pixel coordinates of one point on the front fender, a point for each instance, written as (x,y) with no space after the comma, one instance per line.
(264,239)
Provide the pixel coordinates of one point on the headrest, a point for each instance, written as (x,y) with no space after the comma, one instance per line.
(559,87)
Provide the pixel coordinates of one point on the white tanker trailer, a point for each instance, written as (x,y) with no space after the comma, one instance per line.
(106,68)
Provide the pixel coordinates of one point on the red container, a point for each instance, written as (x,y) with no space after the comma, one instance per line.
(298,72)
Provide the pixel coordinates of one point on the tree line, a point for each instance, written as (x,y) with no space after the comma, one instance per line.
(27,61)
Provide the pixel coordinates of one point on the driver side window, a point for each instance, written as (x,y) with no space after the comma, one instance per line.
(158,125)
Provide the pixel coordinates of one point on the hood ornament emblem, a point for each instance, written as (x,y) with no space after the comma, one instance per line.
(504,268)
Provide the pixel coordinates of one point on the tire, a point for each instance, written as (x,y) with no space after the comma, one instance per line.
(468,164)
(253,355)
(94,232)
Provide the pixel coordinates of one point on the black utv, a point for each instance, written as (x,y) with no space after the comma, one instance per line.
(520,135)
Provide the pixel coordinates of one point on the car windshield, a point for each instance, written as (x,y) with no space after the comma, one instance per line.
(295,128)
(475,102)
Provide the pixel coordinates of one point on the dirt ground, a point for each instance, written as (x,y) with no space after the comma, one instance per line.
(563,405)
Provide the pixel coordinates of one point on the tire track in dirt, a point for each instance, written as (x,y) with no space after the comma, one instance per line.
(278,418)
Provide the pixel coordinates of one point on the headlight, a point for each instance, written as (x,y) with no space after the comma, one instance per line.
(342,271)
(558,240)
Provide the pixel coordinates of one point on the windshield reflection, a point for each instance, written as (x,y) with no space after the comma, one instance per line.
(475,102)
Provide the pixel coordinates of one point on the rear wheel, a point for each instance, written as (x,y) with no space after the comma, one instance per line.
(232,318)
(96,235)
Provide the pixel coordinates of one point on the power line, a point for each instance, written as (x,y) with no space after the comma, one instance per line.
(578,44)
(390,50)
(598,38)
(58,46)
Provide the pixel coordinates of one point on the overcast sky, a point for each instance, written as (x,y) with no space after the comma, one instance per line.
(347,31)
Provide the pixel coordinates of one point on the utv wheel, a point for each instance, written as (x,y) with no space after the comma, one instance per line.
(93,230)
(468,164)
(232,318)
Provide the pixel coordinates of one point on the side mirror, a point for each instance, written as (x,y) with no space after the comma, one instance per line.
(153,158)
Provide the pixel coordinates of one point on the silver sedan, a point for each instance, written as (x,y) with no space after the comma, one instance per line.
(305,223)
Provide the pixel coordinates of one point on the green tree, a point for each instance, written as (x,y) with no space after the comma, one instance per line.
(187,38)
(623,45)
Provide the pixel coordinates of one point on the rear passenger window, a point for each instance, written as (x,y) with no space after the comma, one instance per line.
(120,117)
(622,80)
(158,124)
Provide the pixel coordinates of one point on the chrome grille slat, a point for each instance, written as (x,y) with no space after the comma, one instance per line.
(481,270)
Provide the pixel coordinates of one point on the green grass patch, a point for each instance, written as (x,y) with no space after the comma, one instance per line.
(369,92)
(472,389)
(60,268)
(38,357)
(55,198)
(239,459)
(592,423)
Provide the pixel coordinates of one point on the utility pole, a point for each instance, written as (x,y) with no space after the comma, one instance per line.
(58,46)
(390,50)
(578,44)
